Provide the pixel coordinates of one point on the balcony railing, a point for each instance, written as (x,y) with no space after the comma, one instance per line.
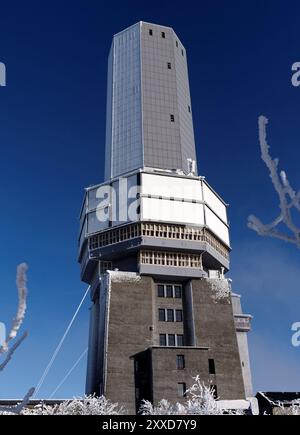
(162,231)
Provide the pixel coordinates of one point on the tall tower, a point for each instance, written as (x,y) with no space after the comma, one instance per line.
(154,240)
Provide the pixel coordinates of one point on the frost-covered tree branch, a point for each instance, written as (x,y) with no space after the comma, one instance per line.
(22,293)
(21,282)
(288,198)
(11,351)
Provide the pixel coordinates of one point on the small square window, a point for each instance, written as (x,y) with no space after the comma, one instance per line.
(170,315)
(150,32)
(160,290)
(179,340)
(211,366)
(172,118)
(162,339)
(180,362)
(163,35)
(169,291)
(179,316)
(178,292)
(181,389)
(169,65)
(171,340)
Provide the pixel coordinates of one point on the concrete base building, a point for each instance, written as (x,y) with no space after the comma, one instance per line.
(154,241)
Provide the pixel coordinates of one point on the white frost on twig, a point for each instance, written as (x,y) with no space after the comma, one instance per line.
(22,293)
(288,198)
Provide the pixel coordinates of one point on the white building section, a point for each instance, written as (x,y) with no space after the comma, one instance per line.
(159,197)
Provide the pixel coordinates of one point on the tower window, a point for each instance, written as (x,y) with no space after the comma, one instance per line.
(181,389)
(179,340)
(169,65)
(169,292)
(178,291)
(176,43)
(161,315)
(163,35)
(170,315)
(150,32)
(189,109)
(162,339)
(211,366)
(182,52)
(180,362)
(160,291)
(172,118)
(171,340)
(179,316)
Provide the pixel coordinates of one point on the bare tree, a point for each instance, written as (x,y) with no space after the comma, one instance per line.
(6,350)
(289,200)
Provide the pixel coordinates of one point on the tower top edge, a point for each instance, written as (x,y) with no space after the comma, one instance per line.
(140,23)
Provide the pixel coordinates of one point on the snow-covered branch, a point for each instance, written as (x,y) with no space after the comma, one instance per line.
(200,401)
(21,282)
(22,293)
(288,198)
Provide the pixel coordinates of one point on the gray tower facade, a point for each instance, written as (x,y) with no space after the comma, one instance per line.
(154,241)
(149,111)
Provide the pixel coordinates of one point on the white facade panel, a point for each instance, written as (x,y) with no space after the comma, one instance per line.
(172,211)
(171,187)
(214,202)
(217,226)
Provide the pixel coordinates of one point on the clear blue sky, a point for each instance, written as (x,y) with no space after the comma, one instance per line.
(52,127)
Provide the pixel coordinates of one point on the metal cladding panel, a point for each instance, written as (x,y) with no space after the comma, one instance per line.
(217,226)
(171,187)
(214,202)
(172,211)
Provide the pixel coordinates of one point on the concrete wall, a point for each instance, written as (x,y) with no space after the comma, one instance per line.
(215,328)
(130,319)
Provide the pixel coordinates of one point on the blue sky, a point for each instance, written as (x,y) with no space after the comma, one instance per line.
(52,131)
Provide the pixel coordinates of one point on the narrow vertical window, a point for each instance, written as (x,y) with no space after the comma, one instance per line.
(169,291)
(180,362)
(182,52)
(160,291)
(180,341)
(163,35)
(170,315)
(162,339)
(178,291)
(189,109)
(161,314)
(181,389)
(179,316)
(211,366)
(176,43)
(150,32)
(172,118)
(169,65)
(171,340)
